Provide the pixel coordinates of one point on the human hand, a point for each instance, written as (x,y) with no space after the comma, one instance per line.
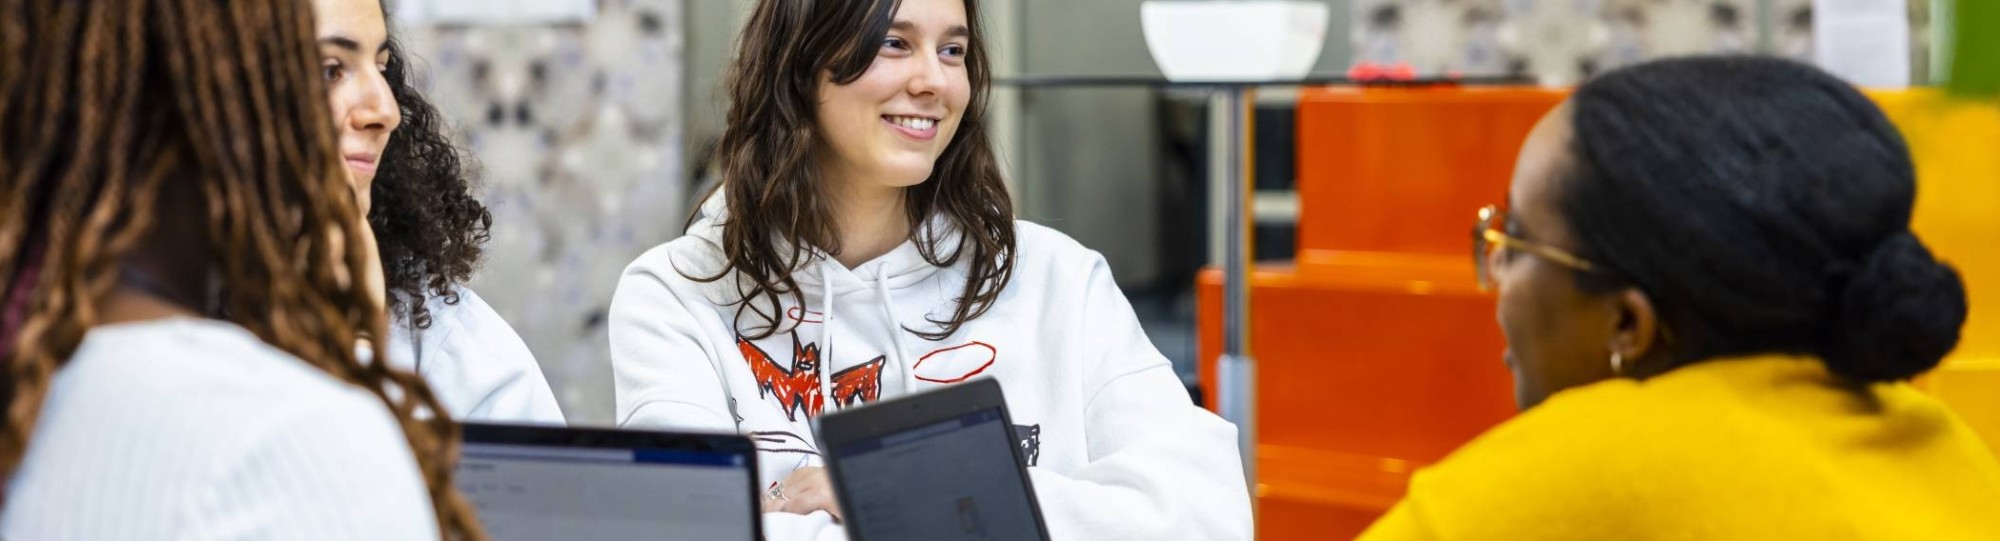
(803,492)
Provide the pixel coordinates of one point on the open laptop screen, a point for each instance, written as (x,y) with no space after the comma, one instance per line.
(945,481)
(537,491)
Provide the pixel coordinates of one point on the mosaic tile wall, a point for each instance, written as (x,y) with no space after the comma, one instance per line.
(578,129)
(1560,42)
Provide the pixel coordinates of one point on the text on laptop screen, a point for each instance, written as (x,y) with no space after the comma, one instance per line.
(526,492)
(954,480)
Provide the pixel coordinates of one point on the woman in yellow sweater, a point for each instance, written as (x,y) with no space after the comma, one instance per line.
(1712,302)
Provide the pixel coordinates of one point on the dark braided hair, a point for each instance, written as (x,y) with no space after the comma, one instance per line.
(109,107)
(1764,206)
(429,228)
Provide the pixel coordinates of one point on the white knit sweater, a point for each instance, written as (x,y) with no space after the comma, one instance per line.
(195,430)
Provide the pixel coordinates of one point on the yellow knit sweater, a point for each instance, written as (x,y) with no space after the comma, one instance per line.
(1752,448)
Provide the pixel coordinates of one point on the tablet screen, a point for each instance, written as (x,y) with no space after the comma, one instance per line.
(533,492)
(952,480)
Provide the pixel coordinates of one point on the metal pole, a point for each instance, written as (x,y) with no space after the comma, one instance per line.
(1236,372)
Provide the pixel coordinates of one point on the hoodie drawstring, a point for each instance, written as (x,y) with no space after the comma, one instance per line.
(903,368)
(825,335)
(896,333)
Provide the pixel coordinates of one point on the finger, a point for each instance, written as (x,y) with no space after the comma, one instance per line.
(806,490)
(810,499)
(821,483)
(816,494)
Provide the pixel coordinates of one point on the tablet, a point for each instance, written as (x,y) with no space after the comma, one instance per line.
(942,465)
(586,484)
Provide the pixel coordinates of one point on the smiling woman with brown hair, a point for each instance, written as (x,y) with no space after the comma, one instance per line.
(862,246)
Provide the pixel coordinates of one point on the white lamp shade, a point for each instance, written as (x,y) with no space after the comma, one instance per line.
(1251,40)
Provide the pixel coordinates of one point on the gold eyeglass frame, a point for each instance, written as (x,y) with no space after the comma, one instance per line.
(1485,238)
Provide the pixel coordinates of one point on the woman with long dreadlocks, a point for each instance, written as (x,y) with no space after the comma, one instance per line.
(429,227)
(180,252)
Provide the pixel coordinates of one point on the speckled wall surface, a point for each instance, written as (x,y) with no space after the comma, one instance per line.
(1560,42)
(577,128)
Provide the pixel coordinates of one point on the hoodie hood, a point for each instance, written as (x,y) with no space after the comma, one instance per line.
(901,268)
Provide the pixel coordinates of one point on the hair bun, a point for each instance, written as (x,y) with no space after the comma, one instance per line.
(1898,314)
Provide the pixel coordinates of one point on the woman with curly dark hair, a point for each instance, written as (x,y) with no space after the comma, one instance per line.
(429,228)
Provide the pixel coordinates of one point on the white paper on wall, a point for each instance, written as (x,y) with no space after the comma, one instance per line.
(495,11)
(1866,42)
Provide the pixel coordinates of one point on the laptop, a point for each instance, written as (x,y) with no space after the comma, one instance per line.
(942,465)
(538,483)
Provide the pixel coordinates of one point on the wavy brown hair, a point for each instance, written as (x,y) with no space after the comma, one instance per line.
(429,227)
(778,203)
(109,105)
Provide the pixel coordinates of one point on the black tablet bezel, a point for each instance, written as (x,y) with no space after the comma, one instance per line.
(838,429)
(609,438)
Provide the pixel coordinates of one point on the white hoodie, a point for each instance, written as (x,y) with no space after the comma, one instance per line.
(475,363)
(1116,449)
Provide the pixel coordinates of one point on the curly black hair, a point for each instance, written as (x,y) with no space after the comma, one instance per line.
(430,228)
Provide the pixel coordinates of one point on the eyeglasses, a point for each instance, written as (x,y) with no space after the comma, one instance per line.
(1488,239)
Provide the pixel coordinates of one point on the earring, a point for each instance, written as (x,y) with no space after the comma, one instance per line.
(1617,363)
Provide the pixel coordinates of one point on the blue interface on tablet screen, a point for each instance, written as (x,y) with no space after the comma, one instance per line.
(528,492)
